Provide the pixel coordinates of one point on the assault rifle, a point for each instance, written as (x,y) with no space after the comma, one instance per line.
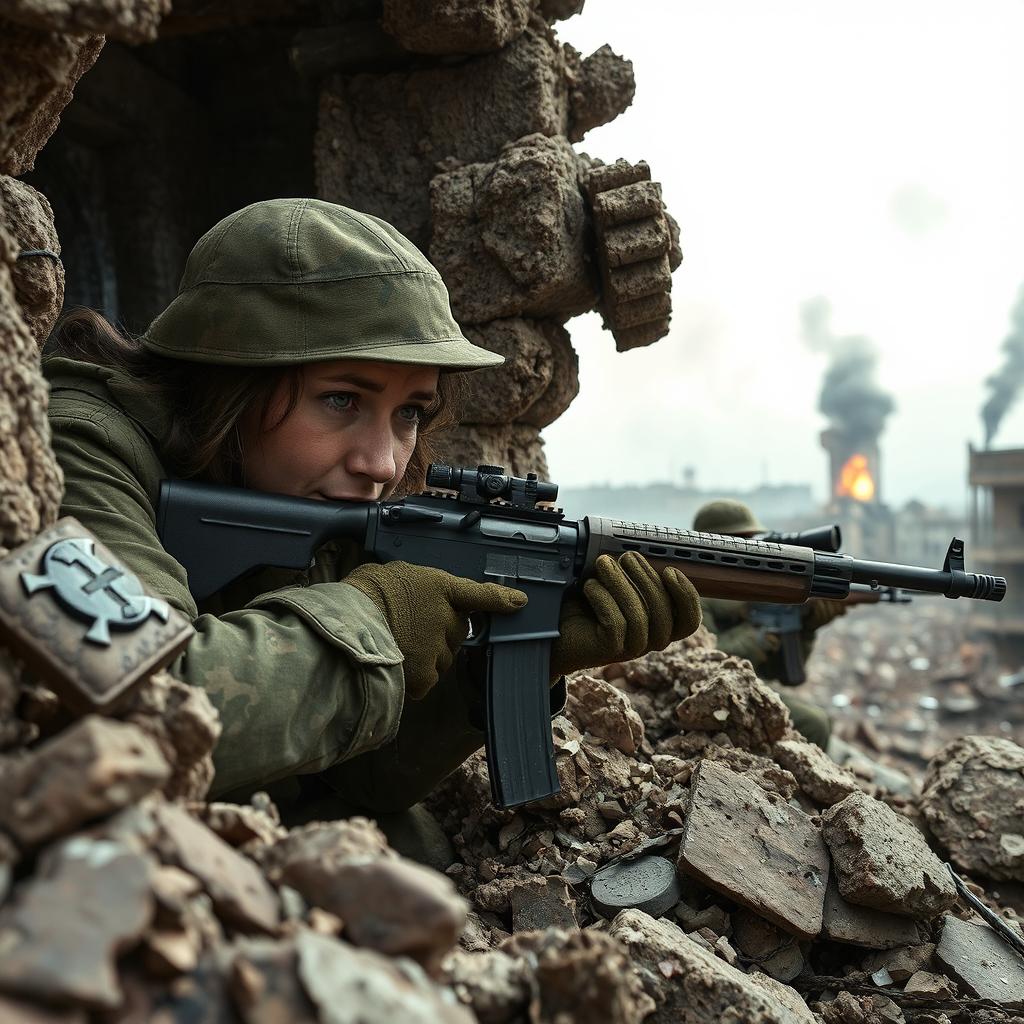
(490,526)
(786,622)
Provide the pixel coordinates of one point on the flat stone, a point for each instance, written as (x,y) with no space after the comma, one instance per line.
(882,861)
(240,893)
(976,957)
(901,963)
(862,926)
(264,985)
(824,781)
(89,901)
(689,983)
(767,947)
(542,903)
(360,986)
(94,767)
(388,904)
(926,983)
(755,848)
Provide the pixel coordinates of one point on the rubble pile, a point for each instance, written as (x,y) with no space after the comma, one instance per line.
(701,860)
(902,681)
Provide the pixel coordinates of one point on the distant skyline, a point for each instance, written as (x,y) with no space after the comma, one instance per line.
(868,153)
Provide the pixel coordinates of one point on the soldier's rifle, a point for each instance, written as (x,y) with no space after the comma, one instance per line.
(486,525)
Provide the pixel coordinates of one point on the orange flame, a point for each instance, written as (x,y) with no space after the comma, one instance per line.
(855,479)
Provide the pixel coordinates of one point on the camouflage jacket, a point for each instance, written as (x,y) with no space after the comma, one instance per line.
(737,635)
(301,666)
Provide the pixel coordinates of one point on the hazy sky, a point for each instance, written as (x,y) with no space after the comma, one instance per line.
(870,152)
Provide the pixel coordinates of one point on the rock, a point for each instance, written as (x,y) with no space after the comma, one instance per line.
(93,768)
(494,985)
(38,280)
(689,984)
(598,708)
(500,394)
(882,861)
(565,378)
(973,801)
(851,1009)
(239,824)
(380,138)
(862,926)
(582,976)
(264,984)
(767,947)
(240,893)
(455,26)
(88,902)
(360,986)
(788,997)
(602,88)
(926,983)
(755,848)
(516,446)
(386,903)
(41,70)
(130,21)
(820,778)
(185,725)
(17,1012)
(509,237)
(902,962)
(735,702)
(977,958)
(542,903)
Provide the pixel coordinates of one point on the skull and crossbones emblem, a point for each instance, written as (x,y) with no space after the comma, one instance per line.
(93,590)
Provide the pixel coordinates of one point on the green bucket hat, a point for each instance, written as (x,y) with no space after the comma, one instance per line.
(300,281)
(726,515)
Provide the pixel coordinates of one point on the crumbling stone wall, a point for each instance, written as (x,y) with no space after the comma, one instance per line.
(802,892)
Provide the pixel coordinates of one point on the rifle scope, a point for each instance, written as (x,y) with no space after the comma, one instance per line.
(821,538)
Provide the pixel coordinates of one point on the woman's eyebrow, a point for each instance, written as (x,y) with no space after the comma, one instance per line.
(372,385)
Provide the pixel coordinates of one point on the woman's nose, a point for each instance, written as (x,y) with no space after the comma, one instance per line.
(372,455)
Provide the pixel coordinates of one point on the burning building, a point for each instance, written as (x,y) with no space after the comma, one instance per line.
(857,408)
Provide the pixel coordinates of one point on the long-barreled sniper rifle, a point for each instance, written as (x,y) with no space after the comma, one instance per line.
(496,528)
(786,622)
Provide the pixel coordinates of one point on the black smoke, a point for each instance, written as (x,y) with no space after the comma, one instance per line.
(850,396)
(1006,381)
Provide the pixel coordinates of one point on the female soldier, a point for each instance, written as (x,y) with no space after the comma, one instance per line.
(310,352)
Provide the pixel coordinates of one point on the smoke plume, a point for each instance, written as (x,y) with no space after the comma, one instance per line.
(1006,381)
(850,396)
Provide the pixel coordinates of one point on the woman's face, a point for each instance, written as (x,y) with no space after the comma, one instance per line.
(350,435)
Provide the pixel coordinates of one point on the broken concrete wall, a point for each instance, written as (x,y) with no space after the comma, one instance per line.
(472,158)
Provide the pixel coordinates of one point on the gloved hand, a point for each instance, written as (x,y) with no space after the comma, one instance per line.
(818,612)
(427,611)
(626,610)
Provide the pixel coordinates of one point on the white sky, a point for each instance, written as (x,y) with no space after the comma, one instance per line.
(871,152)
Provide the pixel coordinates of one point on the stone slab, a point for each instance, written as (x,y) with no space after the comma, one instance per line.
(755,848)
(862,926)
(976,957)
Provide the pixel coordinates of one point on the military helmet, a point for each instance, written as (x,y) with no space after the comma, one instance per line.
(302,280)
(726,516)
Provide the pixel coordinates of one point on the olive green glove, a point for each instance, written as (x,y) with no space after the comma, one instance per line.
(818,612)
(626,610)
(427,611)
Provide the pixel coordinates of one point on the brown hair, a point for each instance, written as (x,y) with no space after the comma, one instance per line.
(207,401)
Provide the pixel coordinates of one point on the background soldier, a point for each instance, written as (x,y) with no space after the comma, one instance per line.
(738,635)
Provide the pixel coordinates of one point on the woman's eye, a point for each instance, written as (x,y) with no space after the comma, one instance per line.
(339,401)
(411,413)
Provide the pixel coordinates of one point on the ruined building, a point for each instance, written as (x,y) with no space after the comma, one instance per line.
(791,891)
(453,121)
